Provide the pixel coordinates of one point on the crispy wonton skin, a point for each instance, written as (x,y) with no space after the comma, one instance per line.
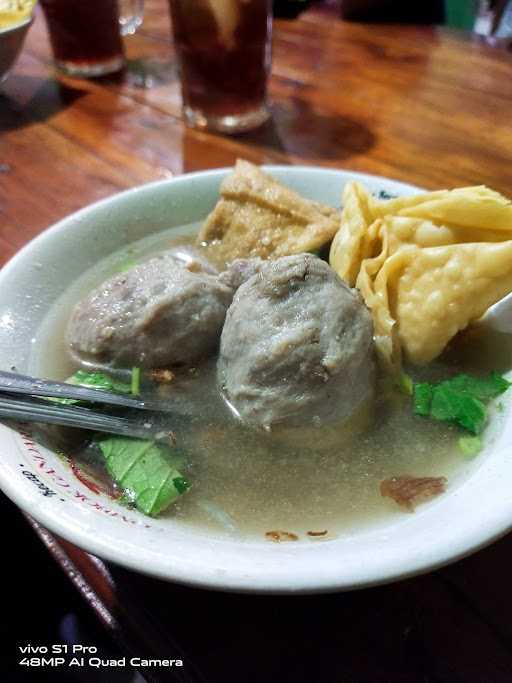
(421,298)
(426,265)
(257,216)
(346,248)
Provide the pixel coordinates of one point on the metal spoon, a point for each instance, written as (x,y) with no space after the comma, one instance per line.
(13,383)
(499,316)
(30,409)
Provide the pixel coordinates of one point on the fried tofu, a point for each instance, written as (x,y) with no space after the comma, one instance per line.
(257,216)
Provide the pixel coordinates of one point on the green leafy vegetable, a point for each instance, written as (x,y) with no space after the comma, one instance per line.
(422,393)
(483,388)
(460,399)
(470,445)
(145,471)
(98,380)
(95,380)
(181,484)
(456,406)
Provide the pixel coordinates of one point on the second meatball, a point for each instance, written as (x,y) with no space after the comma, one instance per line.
(296,346)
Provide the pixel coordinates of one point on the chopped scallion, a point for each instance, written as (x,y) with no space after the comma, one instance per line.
(135,386)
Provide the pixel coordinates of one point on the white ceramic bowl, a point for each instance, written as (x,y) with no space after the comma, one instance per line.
(476,509)
(11,42)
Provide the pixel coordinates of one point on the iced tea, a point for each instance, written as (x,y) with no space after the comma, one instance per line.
(86,34)
(223,48)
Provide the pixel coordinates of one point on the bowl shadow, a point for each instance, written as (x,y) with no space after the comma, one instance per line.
(48,98)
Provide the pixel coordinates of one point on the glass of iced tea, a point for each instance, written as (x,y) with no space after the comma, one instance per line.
(86,35)
(224,53)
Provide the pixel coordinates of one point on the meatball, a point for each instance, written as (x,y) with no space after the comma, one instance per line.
(297,345)
(240,270)
(157,314)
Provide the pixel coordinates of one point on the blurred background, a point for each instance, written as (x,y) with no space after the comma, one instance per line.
(47,608)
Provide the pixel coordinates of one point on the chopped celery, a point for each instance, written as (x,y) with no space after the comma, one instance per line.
(470,445)
(135,385)
(405,384)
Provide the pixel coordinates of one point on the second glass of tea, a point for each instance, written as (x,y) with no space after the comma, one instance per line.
(86,34)
(224,54)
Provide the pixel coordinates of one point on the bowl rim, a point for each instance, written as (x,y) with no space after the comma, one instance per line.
(12,28)
(475,537)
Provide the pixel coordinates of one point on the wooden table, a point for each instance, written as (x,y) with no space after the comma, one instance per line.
(420,104)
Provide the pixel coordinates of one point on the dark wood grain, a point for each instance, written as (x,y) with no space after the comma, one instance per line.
(422,104)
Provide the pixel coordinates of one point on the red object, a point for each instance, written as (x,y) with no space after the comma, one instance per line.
(88,483)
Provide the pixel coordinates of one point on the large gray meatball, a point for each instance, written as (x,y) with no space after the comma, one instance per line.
(296,345)
(159,313)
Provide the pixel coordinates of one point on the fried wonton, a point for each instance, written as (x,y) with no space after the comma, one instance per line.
(426,265)
(346,248)
(257,216)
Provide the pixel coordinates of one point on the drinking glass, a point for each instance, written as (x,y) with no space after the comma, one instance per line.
(86,34)
(224,55)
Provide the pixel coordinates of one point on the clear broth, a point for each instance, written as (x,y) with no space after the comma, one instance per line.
(247,482)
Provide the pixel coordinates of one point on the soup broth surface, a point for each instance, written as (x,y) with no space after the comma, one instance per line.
(247,482)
